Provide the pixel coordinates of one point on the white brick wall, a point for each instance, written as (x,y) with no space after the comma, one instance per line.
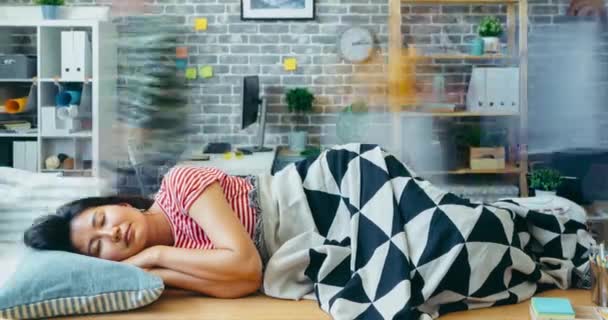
(237,48)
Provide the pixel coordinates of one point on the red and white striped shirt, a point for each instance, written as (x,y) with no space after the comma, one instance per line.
(183,185)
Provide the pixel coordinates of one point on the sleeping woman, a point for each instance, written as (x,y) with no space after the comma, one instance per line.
(196,234)
(353,228)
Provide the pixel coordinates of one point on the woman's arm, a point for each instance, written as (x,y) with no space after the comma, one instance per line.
(219,289)
(234,258)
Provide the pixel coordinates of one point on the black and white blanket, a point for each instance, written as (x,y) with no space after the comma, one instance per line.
(355,227)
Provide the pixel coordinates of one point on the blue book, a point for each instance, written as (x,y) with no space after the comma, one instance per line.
(552,308)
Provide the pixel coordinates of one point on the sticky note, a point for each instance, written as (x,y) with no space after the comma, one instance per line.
(290,64)
(206,72)
(181,64)
(181,52)
(200,24)
(191,73)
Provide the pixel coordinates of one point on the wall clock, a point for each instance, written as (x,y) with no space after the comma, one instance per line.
(356,44)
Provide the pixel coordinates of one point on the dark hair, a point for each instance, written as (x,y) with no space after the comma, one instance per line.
(52,232)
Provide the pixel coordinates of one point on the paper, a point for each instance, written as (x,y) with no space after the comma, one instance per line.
(181,64)
(200,24)
(206,72)
(290,64)
(181,52)
(191,73)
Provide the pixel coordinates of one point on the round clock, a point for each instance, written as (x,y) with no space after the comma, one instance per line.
(356,44)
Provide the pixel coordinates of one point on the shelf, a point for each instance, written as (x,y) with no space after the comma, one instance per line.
(63,81)
(510,169)
(461,57)
(18,134)
(460,114)
(17,80)
(84,134)
(67,170)
(460,1)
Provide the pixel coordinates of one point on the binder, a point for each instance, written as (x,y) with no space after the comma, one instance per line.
(19,155)
(76,56)
(67,59)
(82,55)
(31,153)
(476,94)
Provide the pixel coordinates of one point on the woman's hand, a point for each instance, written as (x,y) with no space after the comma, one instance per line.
(146,259)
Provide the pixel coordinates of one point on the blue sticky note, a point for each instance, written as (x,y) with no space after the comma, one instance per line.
(556,306)
(181,64)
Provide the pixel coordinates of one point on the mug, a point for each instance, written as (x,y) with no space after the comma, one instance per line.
(67,97)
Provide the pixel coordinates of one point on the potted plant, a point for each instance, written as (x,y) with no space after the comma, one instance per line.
(50,8)
(490,29)
(545,181)
(299,100)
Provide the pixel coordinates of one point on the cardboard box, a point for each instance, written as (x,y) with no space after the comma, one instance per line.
(487,158)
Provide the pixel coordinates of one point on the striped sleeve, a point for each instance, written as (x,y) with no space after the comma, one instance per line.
(186,184)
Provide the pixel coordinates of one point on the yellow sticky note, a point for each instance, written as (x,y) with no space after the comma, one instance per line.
(206,72)
(200,24)
(290,64)
(191,73)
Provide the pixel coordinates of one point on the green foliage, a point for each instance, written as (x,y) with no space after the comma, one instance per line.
(472,136)
(545,179)
(490,27)
(50,2)
(299,100)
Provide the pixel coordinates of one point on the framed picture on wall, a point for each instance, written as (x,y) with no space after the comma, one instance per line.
(277,9)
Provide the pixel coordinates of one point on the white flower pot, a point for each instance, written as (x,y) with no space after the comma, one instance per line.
(545,194)
(298,140)
(491,44)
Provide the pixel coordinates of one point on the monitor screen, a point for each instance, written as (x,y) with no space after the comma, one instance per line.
(251,100)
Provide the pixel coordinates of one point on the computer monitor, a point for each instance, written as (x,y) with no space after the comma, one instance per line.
(252,113)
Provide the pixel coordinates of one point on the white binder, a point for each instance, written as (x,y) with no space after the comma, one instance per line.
(75,56)
(31,153)
(493,90)
(19,155)
(67,59)
(82,55)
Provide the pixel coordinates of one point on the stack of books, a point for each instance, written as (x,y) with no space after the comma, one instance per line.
(15,125)
(551,309)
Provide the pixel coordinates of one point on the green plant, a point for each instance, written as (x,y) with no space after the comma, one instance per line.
(472,136)
(490,27)
(299,100)
(545,179)
(50,2)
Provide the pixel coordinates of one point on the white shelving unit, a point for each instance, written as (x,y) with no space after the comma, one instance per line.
(90,146)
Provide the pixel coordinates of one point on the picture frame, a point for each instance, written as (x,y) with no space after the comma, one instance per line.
(277,9)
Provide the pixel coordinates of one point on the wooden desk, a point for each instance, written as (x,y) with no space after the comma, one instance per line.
(252,164)
(522,310)
(182,305)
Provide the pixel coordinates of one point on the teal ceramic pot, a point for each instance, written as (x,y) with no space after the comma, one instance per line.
(50,12)
(477,47)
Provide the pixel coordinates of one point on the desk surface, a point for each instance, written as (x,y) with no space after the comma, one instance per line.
(252,164)
(181,305)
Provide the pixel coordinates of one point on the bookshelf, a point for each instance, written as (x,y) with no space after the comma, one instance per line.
(89,143)
(400,92)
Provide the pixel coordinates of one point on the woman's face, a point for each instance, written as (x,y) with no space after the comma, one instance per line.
(113,232)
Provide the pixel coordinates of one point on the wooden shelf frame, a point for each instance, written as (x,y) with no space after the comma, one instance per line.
(458,114)
(517,12)
(509,169)
(487,2)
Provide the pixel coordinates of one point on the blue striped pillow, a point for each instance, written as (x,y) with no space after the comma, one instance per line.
(52,283)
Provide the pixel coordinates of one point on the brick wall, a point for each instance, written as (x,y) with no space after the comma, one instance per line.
(237,48)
